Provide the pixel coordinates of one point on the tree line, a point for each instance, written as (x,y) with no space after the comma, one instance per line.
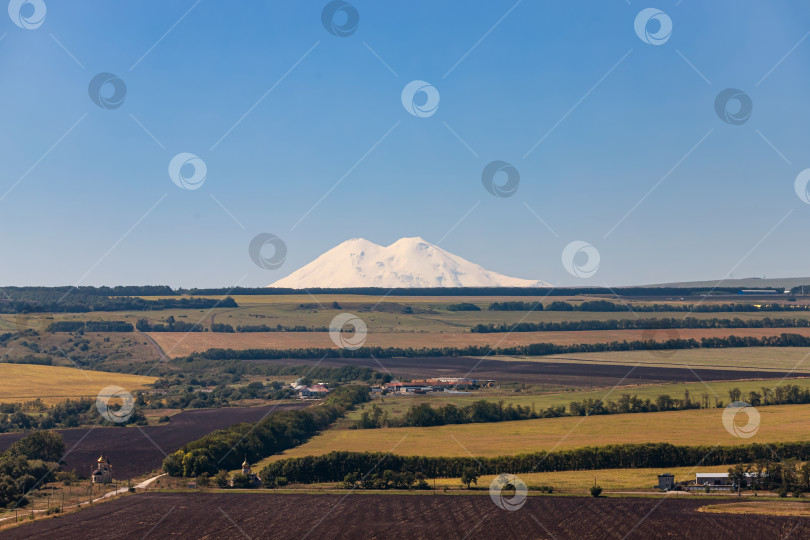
(90,326)
(28,464)
(782,476)
(534,349)
(221,327)
(640,324)
(334,466)
(226,448)
(606,306)
(24,416)
(169,325)
(52,301)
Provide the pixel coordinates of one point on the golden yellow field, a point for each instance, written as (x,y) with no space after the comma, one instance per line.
(52,384)
(182,344)
(608,479)
(579,482)
(692,427)
(768,508)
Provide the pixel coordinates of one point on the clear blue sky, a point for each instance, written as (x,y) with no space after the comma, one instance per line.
(94,204)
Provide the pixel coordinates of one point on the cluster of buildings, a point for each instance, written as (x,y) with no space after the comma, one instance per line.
(715,481)
(445,384)
(314,391)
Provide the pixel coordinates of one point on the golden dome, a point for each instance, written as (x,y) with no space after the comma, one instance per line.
(101,458)
(245,464)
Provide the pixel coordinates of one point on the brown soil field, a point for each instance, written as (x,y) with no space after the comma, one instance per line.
(177,344)
(567,374)
(282,516)
(137,450)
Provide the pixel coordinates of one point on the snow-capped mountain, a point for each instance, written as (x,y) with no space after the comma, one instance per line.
(408,262)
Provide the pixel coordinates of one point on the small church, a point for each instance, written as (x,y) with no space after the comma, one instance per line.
(253,479)
(102,474)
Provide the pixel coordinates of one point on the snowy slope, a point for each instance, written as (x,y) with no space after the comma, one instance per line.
(408,262)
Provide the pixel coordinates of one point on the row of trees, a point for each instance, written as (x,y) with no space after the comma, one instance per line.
(641,324)
(334,466)
(535,349)
(783,476)
(35,414)
(90,326)
(225,448)
(169,325)
(221,327)
(172,325)
(608,306)
(52,301)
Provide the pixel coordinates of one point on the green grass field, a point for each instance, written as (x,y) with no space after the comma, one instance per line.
(692,427)
(397,405)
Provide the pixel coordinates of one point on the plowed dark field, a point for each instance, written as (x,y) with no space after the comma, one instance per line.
(562,373)
(134,451)
(264,515)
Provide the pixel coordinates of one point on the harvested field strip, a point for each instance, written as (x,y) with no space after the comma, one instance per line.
(53,384)
(412,516)
(761,509)
(608,479)
(690,428)
(182,344)
(740,358)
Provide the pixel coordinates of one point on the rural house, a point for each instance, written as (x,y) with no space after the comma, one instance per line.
(314,391)
(666,481)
